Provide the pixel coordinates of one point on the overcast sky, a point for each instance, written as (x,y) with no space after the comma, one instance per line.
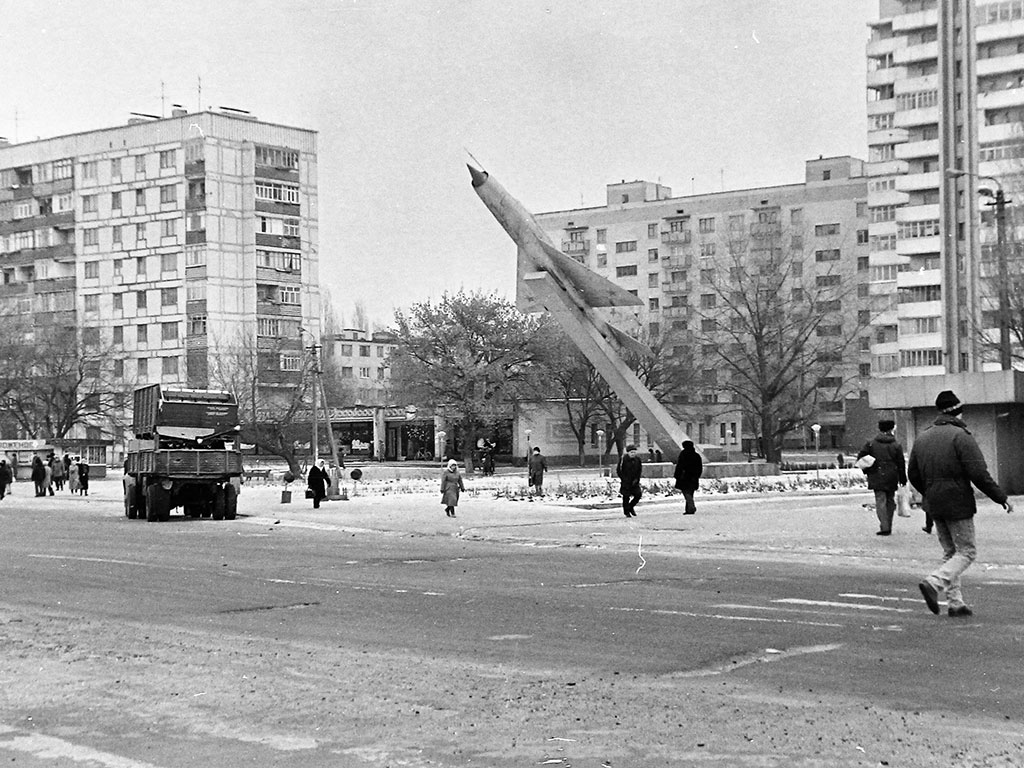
(556,99)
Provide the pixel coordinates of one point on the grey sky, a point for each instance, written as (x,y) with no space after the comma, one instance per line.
(555,98)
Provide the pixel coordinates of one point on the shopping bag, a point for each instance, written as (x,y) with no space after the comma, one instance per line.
(903,502)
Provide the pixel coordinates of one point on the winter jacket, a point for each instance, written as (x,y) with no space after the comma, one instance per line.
(890,467)
(944,461)
(630,470)
(451,485)
(689,468)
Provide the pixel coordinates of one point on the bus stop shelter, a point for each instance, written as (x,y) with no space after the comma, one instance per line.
(993,411)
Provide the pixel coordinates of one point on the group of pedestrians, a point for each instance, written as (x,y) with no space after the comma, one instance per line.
(48,475)
(945,462)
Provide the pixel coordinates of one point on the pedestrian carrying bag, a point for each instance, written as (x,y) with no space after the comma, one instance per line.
(865,462)
(903,502)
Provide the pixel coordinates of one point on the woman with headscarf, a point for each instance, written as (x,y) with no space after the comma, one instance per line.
(451,486)
(318,481)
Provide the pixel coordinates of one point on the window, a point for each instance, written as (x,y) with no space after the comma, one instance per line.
(706,226)
(89,204)
(195,255)
(168,331)
(825,230)
(91,270)
(627,271)
(142,334)
(169,366)
(167,158)
(168,193)
(168,228)
(91,236)
(140,300)
(625,246)
(168,262)
(197,325)
(168,297)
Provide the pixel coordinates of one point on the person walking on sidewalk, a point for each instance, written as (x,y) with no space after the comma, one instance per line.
(318,481)
(451,486)
(689,468)
(888,473)
(630,469)
(944,461)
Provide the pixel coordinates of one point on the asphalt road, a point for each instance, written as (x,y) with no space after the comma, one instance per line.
(257,642)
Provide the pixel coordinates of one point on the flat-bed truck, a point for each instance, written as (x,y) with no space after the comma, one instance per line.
(185,453)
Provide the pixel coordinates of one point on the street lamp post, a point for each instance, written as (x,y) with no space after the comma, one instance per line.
(816,429)
(999,202)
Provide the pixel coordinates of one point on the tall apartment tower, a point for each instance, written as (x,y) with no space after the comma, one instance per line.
(945,112)
(169,242)
(664,249)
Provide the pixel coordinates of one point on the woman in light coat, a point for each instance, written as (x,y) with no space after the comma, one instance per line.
(451,486)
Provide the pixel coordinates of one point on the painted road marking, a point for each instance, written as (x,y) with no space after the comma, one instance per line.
(52,748)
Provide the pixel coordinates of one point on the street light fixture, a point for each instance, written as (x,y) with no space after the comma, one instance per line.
(816,429)
(999,202)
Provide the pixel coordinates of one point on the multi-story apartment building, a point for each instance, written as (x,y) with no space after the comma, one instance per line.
(360,359)
(168,242)
(945,115)
(668,250)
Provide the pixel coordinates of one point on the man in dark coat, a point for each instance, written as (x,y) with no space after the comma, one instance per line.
(944,461)
(629,471)
(689,468)
(318,481)
(887,473)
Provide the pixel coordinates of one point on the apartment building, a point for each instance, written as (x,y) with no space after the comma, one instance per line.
(170,242)
(945,115)
(666,250)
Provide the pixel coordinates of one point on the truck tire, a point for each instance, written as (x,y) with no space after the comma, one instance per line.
(158,503)
(218,503)
(230,502)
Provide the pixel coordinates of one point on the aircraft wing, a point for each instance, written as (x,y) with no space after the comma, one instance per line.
(597,291)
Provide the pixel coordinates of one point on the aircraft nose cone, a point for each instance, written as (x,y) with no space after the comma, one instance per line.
(479,177)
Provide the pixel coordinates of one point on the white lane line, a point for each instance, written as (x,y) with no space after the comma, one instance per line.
(727,617)
(835,604)
(52,748)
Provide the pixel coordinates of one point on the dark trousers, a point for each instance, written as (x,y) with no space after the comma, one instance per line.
(630,499)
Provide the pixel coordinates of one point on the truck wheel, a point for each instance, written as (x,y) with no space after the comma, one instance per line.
(218,504)
(230,502)
(158,503)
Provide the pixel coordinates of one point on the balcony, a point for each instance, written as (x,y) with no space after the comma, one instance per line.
(913,54)
(1009,97)
(574,247)
(914,149)
(685,236)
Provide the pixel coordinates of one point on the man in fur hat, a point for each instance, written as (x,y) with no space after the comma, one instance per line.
(944,461)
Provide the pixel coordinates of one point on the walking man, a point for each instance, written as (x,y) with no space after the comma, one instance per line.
(944,461)
(689,468)
(630,469)
(887,473)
